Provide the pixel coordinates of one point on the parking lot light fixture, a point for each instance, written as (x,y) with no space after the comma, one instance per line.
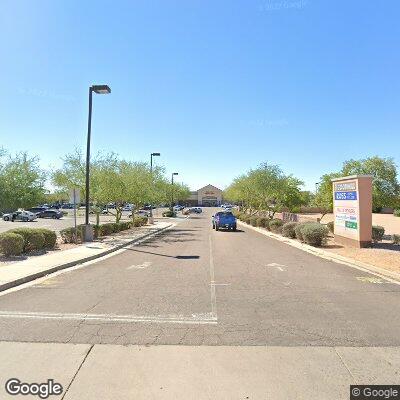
(151,173)
(99,89)
(172,189)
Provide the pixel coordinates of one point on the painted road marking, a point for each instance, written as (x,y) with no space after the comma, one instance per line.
(370,279)
(158,319)
(146,264)
(277,266)
(219,284)
(212,279)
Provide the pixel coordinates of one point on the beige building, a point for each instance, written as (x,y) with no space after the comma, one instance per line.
(206,196)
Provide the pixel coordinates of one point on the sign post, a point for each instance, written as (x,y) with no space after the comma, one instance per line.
(352,208)
(74,198)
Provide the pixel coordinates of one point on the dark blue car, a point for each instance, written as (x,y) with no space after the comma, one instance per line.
(224,220)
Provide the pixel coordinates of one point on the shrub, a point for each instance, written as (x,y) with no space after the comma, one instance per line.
(396,239)
(139,221)
(246,219)
(68,234)
(33,238)
(253,221)
(377,233)
(396,213)
(169,214)
(298,229)
(262,222)
(288,229)
(314,233)
(123,226)
(50,238)
(331,226)
(275,225)
(11,244)
(107,229)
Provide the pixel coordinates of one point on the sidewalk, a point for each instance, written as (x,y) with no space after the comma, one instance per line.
(107,372)
(35,267)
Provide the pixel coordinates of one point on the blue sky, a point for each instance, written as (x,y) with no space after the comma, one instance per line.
(216,86)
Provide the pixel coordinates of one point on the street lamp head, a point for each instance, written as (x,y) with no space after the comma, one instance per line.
(101,89)
(175,173)
(156,154)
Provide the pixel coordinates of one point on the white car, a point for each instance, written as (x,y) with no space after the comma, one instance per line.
(128,207)
(25,216)
(141,213)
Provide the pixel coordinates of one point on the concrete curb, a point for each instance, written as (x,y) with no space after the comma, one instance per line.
(32,277)
(383,273)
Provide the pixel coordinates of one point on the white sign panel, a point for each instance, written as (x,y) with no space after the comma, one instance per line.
(346,209)
(74,196)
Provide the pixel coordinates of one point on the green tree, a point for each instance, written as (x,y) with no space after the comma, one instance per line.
(265,188)
(385,186)
(22,181)
(324,196)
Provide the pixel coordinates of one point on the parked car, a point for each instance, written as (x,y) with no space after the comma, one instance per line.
(225,220)
(127,207)
(54,214)
(37,210)
(141,213)
(178,207)
(24,216)
(197,210)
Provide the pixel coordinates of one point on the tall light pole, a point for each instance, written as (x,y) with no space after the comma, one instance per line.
(151,173)
(99,89)
(172,189)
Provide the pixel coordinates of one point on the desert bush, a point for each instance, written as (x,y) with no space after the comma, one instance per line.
(396,239)
(314,233)
(253,220)
(11,244)
(50,238)
(125,225)
(33,238)
(169,213)
(275,225)
(298,230)
(331,226)
(288,229)
(68,234)
(396,213)
(140,221)
(377,233)
(107,229)
(262,222)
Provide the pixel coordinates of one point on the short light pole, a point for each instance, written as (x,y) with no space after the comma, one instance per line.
(99,89)
(151,220)
(172,190)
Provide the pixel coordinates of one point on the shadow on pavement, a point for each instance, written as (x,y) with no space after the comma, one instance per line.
(165,255)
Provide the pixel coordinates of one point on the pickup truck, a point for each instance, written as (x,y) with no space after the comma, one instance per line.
(224,220)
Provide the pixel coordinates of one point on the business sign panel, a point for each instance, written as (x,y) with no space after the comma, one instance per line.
(346,209)
(352,207)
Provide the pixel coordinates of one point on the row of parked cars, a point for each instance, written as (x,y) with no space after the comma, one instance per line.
(33,213)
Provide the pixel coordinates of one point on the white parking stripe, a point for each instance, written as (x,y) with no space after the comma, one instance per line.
(160,319)
(212,277)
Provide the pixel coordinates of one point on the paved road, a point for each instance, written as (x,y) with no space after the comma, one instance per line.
(195,286)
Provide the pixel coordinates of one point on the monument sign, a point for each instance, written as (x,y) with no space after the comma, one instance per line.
(352,208)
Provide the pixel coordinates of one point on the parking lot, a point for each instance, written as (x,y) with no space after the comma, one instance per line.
(66,222)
